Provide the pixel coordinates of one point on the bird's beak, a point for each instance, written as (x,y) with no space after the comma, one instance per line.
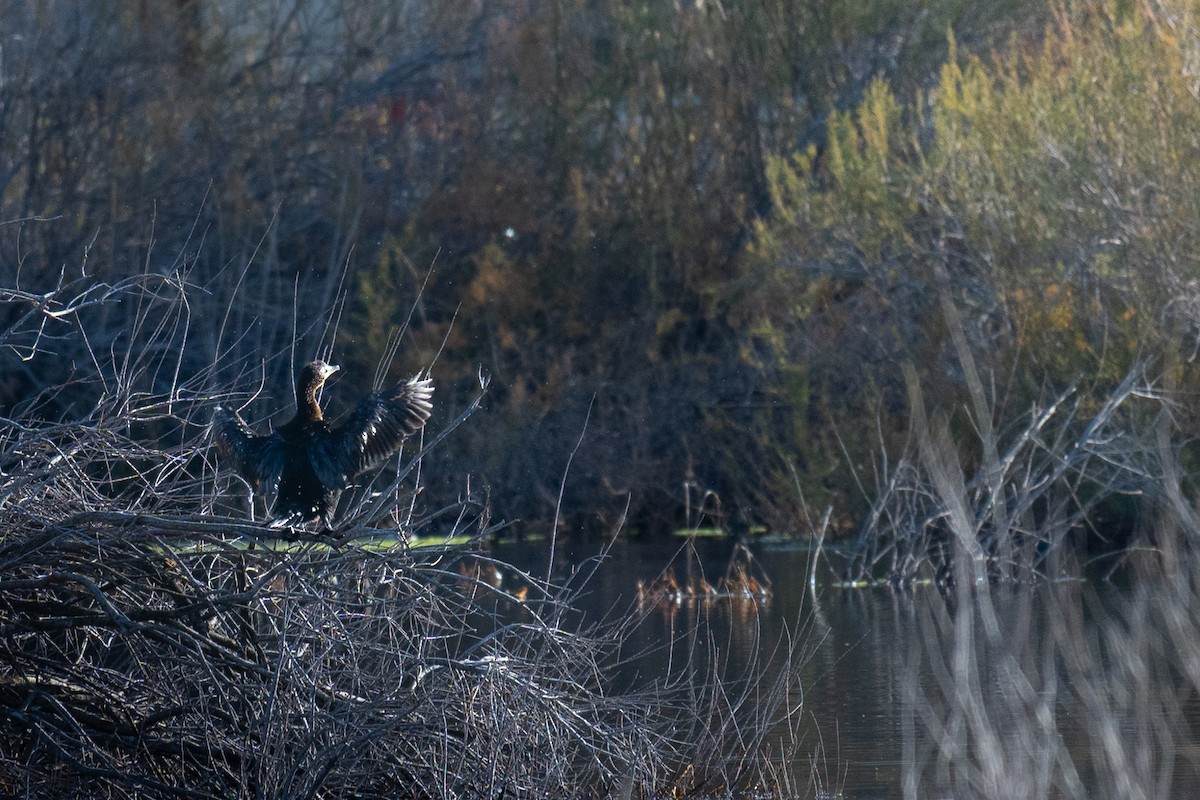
(330,369)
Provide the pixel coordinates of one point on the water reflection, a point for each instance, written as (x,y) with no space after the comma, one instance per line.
(1076,689)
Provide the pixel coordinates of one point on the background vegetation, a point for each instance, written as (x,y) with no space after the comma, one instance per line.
(930,266)
(711,234)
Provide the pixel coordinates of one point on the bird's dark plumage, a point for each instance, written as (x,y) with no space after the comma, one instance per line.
(305,465)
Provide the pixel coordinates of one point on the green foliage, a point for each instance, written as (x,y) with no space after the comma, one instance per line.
(382,297)
(1050,193)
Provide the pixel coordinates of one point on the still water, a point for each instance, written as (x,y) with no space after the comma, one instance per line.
(1063,689)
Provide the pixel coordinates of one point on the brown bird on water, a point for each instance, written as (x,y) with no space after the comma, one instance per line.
(304,467)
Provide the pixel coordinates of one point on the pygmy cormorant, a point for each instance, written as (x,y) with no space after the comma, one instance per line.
(304,466)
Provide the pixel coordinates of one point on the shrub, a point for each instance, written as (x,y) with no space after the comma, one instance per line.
(1034,212)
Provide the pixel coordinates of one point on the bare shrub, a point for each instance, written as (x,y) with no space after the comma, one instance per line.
(1014,512)
(154,643)
(1065,688)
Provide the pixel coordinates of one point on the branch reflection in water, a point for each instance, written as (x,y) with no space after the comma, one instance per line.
(1079,689)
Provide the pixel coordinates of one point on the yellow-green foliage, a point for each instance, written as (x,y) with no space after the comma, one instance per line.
(865,161)
(1053,189)
(865,164)
(382,305)
(1087,145)
(1072,161)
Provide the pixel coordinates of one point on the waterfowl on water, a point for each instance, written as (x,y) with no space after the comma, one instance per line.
(305,465)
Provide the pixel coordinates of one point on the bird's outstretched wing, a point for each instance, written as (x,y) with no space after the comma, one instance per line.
(258,459)
(374,431)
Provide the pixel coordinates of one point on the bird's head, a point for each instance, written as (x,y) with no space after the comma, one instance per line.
(315,373)
(311,379)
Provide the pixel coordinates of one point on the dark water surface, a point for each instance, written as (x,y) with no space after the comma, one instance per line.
(1061,689)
